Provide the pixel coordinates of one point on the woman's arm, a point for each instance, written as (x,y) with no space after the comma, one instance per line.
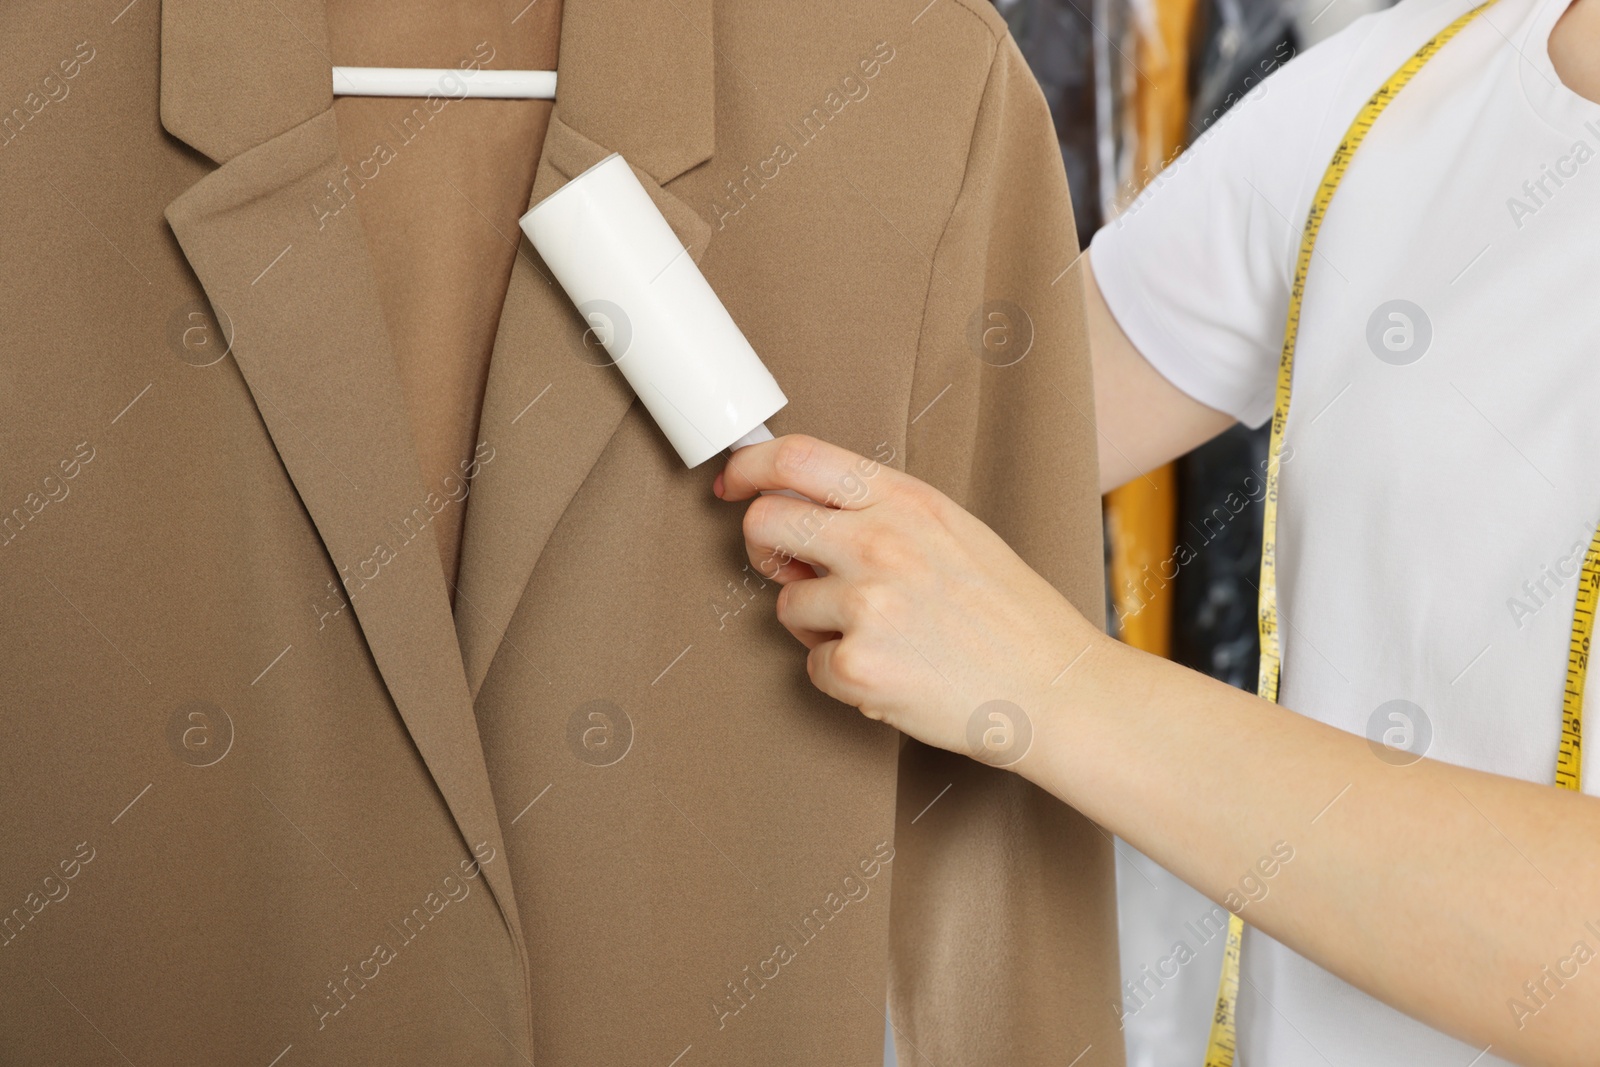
(1450,894)
(1144,420)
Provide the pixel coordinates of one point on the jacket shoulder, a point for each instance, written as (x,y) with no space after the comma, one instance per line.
(989,19)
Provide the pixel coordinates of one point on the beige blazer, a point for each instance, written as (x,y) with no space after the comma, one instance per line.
(268,800)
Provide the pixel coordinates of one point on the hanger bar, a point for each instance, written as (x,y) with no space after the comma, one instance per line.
(444,81)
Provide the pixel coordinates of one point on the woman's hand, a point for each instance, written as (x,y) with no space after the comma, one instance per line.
(924,617)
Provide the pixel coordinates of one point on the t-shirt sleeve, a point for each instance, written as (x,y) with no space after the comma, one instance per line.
(1197,270)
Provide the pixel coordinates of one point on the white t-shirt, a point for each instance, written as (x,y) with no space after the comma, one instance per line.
(1442,478)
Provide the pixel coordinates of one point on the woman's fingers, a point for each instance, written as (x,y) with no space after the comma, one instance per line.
(820,666)
(783,571)
(924,614)
(781,529)
(816,610)
(817,470)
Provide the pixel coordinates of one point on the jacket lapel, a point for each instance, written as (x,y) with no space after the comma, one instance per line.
(248,84)
(635,79)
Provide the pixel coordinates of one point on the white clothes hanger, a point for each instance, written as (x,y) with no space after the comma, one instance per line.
(445,81)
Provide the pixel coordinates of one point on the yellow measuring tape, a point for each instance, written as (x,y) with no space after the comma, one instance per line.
(1569,759)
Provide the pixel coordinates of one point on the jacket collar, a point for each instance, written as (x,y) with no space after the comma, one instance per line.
(248,84)
(637,78)
(235,75)
(632,78)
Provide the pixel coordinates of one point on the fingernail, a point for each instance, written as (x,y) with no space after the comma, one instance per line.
(716,486)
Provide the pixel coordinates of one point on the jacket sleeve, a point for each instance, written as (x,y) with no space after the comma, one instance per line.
(1003,931)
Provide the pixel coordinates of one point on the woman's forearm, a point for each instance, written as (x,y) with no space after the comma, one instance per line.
(1142,419)
(1468,900)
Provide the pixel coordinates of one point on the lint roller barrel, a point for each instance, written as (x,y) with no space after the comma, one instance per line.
(645,299)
